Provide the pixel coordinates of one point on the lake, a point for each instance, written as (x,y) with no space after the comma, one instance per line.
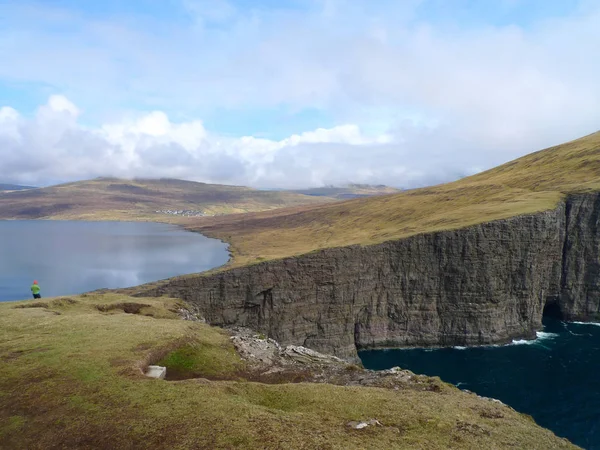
(554,378)
(74,257)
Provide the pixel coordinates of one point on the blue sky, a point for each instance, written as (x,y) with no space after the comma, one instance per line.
(436,89)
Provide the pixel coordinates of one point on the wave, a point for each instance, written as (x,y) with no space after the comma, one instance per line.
(587,323)
(540,336)
(546,335)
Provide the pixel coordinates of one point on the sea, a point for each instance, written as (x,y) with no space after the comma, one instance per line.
(554,378)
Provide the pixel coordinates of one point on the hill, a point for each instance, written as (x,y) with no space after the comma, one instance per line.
(530,184)
(72,377)
(14,187)
(349,191)
(158,200)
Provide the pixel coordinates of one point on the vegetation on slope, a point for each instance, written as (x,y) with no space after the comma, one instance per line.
(106,199)
(71,378)
(530,184)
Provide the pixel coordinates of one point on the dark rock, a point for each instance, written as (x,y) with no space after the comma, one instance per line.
(484,284)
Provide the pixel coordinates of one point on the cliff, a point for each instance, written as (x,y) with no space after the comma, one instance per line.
(484,284)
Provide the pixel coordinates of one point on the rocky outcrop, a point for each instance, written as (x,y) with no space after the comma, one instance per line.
(485,284)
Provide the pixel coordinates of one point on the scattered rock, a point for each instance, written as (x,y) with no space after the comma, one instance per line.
(192,314)
(363,424)
(269,362)
(306,356)
(159,372)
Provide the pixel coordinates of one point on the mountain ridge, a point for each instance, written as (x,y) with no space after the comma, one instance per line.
(141,199)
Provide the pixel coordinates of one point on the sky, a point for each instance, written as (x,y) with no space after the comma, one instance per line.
(291,93)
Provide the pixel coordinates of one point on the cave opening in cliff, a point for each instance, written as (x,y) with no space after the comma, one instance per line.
(552,309)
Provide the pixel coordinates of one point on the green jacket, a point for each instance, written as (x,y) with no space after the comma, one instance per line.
(35,289)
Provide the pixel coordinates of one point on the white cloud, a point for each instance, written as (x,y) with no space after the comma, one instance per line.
(414,102)
(52,145)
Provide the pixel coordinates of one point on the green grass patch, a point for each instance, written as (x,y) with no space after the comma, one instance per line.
(196,360)
(75,380)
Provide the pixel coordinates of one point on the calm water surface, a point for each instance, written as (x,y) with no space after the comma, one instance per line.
(555,379)
(74,257)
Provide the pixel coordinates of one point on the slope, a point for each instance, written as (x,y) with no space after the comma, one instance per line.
(530,184)
(106,198)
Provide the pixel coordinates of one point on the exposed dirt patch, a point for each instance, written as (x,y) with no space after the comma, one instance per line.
(51,304)
(34,305)
(18,353)
(471,428)
(127,307)
(63,302)
(491,414)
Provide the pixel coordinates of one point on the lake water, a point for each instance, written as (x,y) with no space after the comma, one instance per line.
(555,379)
(74,257)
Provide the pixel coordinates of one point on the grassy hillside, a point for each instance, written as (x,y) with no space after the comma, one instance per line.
(103,199)
(533,183)
(71,378)
(348,192)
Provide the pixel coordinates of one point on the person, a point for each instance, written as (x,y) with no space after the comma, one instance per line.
(35,289)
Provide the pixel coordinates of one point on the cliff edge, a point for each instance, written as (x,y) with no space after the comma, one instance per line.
(485,284)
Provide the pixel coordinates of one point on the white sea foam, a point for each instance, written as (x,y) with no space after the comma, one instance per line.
(540,336)
(458,347)
(587,323)
(522,342)
(544,335)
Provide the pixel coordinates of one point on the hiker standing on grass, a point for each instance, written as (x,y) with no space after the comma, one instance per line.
(35,290)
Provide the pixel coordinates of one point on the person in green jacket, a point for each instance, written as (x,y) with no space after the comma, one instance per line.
(35,290)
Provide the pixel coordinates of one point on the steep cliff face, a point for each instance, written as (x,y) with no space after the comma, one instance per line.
(579,297)
(484,284)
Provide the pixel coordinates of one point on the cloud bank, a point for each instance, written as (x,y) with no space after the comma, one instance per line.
(409,99)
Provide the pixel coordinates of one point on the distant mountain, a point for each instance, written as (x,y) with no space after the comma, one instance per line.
(116,199)
(349,191)
(14,187)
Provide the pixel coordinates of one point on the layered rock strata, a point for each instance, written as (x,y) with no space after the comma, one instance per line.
(485,284)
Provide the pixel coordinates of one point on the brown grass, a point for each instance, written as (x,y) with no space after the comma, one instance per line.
(531,184)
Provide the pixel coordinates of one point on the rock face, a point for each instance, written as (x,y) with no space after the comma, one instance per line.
(579,297)
(485,284)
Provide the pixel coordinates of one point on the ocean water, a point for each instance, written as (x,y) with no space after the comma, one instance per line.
(73,257)
(554,378)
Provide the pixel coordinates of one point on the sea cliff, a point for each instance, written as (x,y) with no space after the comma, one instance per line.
(483,284)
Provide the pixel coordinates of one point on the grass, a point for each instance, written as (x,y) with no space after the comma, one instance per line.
(528,185)
(71,378)
(114,199)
